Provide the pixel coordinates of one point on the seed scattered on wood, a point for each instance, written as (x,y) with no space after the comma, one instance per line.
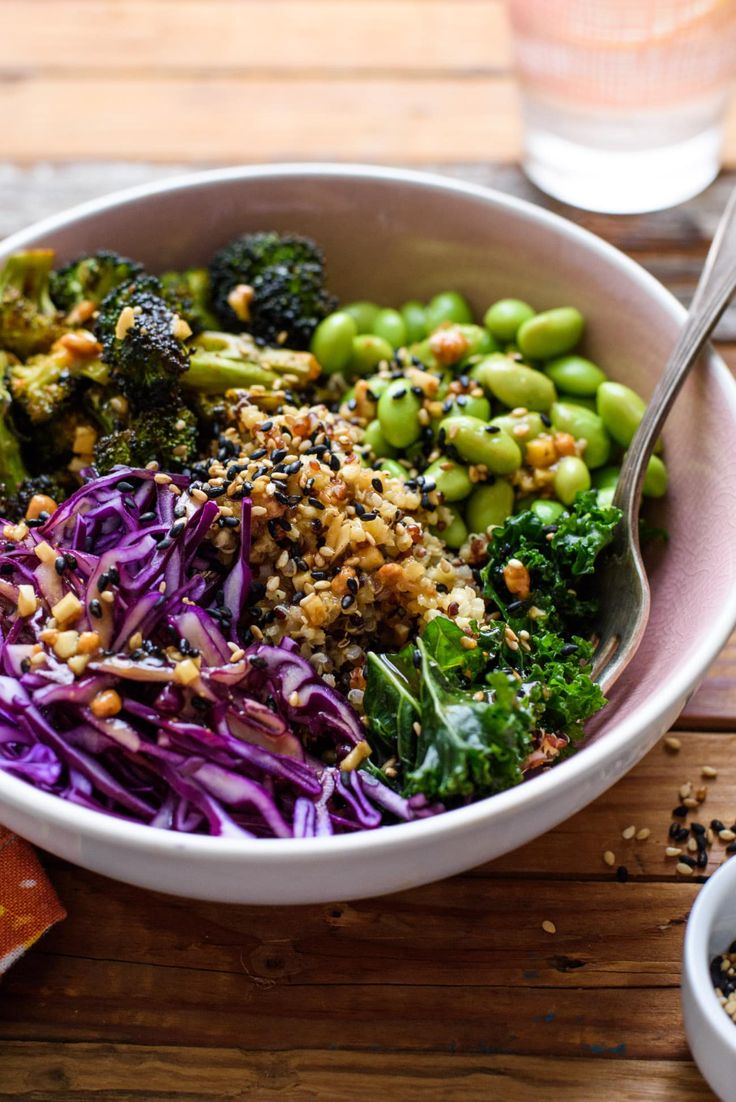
(709,771)
(683,869)
(643,834)
(610,858)
(690,802)
(685,790)
(628,833)
(672,744)
(549,927)
(672,851)
(726,835)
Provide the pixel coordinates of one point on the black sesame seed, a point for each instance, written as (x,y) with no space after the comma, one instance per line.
(347,600)
(352,584)
(377,485)
(399,394)
(515,606)
(569,648)
(416,657)
(674,828)
(60,564)
(95,608)
(549,529)
(281,498)
(622,874)
(258,453)
(125,487)
(369,516)
(257,662)
(681,834)
(266,426)
(417,391)
(114,575)
(292,468)
(164,543)
(351,404)
(25,665)
(685,860)
(103,581)
(230,522)
(697,828)
(717,825)
(702,859)
(279,454)
(6,569)
(679,812)
(177,528)
(34,523)
(545,419)
(315,503)
(298,596)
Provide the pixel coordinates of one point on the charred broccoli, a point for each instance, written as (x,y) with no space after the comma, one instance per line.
(29,321)
(12,467)
(91,278)
(142,340)
(272,285)
(168,436)
(189,294)
(45,383)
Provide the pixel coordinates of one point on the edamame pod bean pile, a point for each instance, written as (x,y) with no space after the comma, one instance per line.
(498,415)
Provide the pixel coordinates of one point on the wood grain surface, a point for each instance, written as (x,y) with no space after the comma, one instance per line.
(249,80)
(453,991)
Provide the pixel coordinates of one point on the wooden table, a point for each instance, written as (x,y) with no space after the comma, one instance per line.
(453,991)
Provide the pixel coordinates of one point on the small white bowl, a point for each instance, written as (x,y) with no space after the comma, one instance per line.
(710,930)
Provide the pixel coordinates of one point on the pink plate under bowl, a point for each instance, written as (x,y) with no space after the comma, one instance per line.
(390,235)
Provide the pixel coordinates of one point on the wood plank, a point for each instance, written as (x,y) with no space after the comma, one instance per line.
(495,929)
(288,36)
(713,705)
(44,1072)
(58,998)
(238,119)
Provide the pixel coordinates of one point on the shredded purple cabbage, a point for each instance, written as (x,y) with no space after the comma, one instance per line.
(238,751)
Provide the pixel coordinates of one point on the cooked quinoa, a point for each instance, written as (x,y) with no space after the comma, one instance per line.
(343,558)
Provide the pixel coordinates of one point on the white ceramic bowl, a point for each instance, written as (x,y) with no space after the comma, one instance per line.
(710,1032)
(390,235)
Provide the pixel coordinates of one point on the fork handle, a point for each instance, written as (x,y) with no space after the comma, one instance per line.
(715,288)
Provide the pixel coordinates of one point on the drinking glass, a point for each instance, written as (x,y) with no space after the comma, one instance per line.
(623,100)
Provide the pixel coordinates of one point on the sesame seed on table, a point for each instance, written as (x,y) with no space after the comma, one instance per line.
(554,969)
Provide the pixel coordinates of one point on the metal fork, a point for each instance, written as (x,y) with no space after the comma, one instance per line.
(624,584)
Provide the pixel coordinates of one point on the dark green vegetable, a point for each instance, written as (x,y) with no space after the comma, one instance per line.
(146,357)
(91,278)
(189,293)
(167,436)
(29,321)
(285,296)
(560,568)
(12,468)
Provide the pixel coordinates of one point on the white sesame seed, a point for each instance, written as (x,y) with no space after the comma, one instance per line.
(672,851)
(628,833)
(672,744)
(609,857)
(549,927)
(709,771)
(643,834)
(726,835)
(683,869)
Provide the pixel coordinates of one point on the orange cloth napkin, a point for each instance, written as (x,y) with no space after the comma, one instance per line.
(28,903)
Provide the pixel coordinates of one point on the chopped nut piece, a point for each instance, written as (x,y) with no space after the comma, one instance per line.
(89,642)
(67,609)
(239,301)
(27,600)
(40,503)
(106,704)
(78,664)
(45,552)
(126,321)
(358,754)
(516,577)
(186,672)
(65,644)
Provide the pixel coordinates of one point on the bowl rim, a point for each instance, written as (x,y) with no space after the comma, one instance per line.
(105,828)
(696,957)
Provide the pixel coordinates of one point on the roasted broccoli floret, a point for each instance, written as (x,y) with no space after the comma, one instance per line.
(29,321)
(55,487)
(45,383)
(12,468)
(168,436)
(272,285)
(91,278)
(189,294)
(143,341)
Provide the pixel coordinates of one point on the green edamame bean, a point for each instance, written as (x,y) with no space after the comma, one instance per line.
(521,427)
(474,443)
(471,404)
(549,512)
(514,384)
(415,320)
(571,477)
(398,407)
(390,325)
(575,375)
(621,409)
(450,478)
(656,478)
(422,352)
(332,341)
(363,314)
(576,400)
(480,341)
(551,333)
(583,425)
(455,533)
(504,318)
(376,385)
(447,306)
(488,505)
(605,478)
(373,437)
(368,352)
(392,468)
